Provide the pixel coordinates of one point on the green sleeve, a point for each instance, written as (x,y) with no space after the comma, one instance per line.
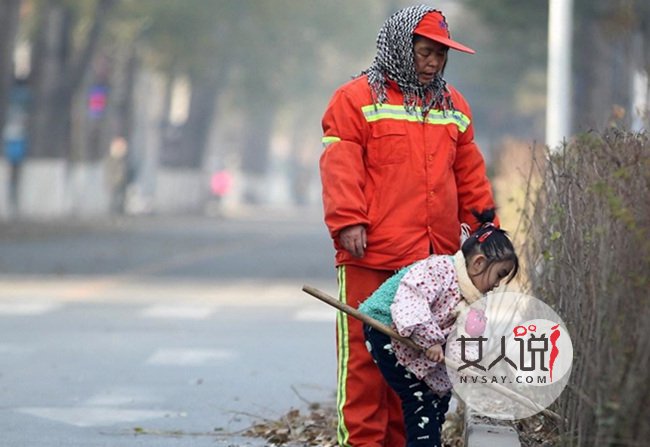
(378,304)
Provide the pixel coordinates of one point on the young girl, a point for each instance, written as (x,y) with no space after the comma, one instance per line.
(422,301)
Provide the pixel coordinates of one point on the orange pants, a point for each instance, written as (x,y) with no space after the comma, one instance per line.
(369,411)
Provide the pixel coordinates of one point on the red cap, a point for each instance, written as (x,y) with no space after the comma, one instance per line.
(434,26)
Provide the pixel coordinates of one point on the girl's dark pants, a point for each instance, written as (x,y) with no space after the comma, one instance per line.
(424,411)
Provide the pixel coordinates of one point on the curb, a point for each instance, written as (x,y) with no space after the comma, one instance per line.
(481,431)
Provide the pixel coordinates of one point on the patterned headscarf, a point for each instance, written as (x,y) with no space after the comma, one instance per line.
(395,60)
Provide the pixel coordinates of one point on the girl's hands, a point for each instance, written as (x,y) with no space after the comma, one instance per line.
(435,353)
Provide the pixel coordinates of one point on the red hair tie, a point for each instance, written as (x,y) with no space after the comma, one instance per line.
(484,236)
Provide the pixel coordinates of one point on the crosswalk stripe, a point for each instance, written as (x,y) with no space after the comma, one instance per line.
(188,357)
(316,315)
(27,308)
(180,312)
(94,416)
(13,348)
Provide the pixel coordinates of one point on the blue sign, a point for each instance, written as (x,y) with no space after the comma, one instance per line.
(15,131)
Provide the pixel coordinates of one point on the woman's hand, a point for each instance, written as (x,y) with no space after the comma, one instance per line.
(353,239)
(435,353)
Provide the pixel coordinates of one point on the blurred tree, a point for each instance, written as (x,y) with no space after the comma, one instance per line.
(610,44)
(293,49)
(209,77)
(192,39)
(9,13)
(61,57)
(112,73)
(279,61)
(271,55)
(510,39)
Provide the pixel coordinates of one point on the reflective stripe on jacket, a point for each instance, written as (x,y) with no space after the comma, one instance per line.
(410,182)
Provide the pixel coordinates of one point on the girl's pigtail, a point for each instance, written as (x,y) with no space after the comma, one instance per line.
(485,217)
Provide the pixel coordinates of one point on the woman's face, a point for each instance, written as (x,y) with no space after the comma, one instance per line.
(429,58)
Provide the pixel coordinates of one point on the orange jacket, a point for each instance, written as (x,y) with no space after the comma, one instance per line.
(410,183)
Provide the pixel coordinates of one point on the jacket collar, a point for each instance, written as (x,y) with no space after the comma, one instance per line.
(467,289)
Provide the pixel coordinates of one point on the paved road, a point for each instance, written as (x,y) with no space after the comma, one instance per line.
(185,329)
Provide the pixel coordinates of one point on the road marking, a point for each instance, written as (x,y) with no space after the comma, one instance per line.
(188,357)
(94,416)
(27,308)
(318,315)
(151,291)
(122,396)
(13,348)
(180,312)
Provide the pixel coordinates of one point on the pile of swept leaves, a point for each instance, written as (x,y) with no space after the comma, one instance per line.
(537,431)
(317,427)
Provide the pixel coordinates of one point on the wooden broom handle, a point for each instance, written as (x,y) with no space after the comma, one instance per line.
(361,316)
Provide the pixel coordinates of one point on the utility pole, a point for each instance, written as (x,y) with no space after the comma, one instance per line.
(558,94)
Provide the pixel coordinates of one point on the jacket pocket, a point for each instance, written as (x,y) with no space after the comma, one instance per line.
(452,130)
(388,143)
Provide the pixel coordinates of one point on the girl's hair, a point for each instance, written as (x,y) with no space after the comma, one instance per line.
(491,241)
